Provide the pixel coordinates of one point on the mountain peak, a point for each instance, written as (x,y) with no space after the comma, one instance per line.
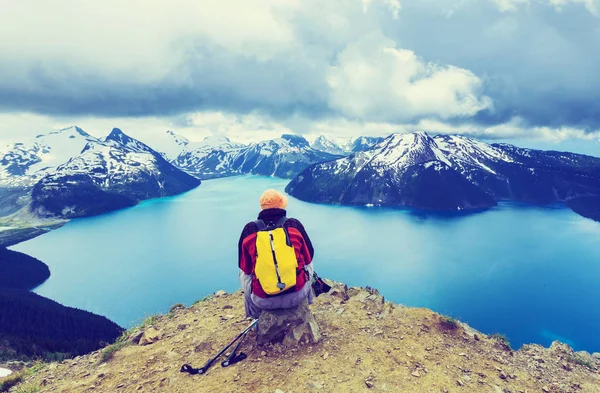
(180,140)
(216,139)
(118,136)
(295,140)
(63,131)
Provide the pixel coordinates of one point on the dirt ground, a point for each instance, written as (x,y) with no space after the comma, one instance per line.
(368,345)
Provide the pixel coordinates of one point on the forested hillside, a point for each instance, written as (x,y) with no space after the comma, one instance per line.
(20,271)
(33,326)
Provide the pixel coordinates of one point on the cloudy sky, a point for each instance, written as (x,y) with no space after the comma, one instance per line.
(252,69)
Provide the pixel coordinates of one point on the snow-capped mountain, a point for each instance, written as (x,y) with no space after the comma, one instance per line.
(23,164)
(344,145)
(218,157)
(211,158)
(172,145)
(283,157)
(108,174)
(448,172)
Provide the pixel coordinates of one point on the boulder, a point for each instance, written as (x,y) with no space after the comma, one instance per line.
(339,292)
(289,326)
(561,350)
(150,336)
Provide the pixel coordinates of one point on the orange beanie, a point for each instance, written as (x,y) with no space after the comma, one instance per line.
(273,199)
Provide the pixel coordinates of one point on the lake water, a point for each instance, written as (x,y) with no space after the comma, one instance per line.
(528,272)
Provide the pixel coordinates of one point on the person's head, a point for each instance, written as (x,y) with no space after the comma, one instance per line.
(273,199)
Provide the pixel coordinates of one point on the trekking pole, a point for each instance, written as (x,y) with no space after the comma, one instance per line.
(233,357)
(186,368)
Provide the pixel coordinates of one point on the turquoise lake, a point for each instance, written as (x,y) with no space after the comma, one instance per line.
(531,273)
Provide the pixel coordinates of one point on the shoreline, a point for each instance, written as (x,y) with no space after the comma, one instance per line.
(12,236)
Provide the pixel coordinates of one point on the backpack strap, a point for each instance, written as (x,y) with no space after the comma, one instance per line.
(280,224)
(260,224)
(281,221)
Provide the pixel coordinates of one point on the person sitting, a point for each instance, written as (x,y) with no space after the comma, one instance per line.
(275,259)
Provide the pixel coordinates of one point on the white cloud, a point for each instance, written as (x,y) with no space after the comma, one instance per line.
(373,79)
(510,5)
(513,5)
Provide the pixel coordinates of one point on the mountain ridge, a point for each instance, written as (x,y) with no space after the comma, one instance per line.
(400,171)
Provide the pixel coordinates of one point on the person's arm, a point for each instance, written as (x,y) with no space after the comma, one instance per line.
(245,261)
(309,247)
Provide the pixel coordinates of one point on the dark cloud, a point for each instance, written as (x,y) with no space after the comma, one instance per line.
(536,63)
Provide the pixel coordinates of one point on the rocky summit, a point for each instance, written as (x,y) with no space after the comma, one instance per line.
(366,344)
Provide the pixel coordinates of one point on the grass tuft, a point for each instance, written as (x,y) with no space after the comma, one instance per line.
(109,352)
(27,389)
(582,362)
(502,340)
(150,321)
(176,307)
(448,323)
(10,381)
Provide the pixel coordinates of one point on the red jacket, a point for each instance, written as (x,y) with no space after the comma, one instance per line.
(298,236)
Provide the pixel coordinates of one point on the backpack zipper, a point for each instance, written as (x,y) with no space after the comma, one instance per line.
(280,285)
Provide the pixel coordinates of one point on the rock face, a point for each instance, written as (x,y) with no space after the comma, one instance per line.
(452,173)
(288,326)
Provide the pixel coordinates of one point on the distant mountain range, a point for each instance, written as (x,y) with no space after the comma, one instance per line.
(215,157)
(447,172)
(344,145)
(69,173)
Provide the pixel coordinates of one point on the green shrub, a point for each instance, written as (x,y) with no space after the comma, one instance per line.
(501,339)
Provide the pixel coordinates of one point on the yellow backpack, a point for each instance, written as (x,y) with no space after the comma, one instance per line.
(276,262)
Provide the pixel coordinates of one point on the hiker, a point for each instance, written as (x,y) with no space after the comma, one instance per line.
(275,255)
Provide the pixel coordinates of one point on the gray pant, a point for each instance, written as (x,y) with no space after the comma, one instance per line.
(254,304)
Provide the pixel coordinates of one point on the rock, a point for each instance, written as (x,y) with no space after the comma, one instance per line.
(460,383)
(566,366)
(502,375)
(289,326)
(135,337)
(415,374)
(561,349)
(375,298)
(339,292)
(476,337)
(353,291)
(369,383)
(150,336)
(220,292)
(227,307)
(361,296)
